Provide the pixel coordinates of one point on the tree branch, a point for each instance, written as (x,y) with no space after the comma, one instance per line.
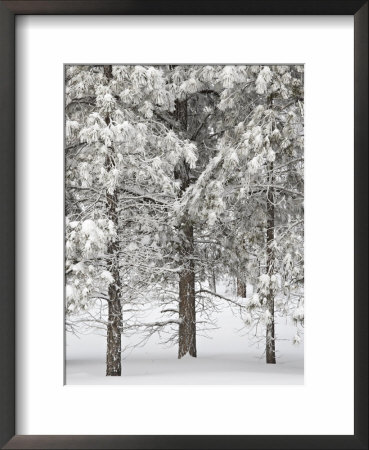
(205,291)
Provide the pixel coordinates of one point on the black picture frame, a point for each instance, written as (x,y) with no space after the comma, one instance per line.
(8,11)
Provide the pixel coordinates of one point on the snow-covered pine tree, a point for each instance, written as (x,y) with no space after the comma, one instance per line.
(175,174)
(256,182)
(115,178)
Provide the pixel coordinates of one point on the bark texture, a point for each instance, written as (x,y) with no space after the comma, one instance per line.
(270,333)
(114,328)
(187,307)
(241,288)
(212,281)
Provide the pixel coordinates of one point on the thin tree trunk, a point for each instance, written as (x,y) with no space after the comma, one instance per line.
(270,332)
(115,319)
(241,288)
(211,276)
(187,307)
(212,281)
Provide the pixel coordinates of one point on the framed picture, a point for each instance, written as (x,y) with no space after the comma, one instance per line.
(175,178)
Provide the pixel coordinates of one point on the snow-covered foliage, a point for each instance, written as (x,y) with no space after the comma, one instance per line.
(155,154)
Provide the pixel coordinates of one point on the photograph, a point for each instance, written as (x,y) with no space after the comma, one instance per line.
(184,224)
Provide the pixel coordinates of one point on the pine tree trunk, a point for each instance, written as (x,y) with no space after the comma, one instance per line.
(211,276)
(270,333)
(241,288)
(212,281)
(114,329)
(115,319)
(187,307)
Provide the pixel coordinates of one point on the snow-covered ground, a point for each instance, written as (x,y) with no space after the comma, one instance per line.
(229,356)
